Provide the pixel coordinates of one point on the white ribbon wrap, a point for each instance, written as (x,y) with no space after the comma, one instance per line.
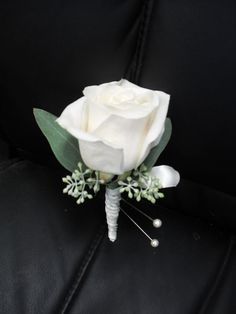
(168,177)
(112,208)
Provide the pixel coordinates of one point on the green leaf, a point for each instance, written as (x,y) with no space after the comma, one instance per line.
(64,146)
(156,151)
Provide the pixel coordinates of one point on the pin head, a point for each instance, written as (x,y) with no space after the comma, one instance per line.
(157,223)
(154,243)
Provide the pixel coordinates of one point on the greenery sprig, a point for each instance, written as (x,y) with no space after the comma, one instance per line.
(81,182)
(140,184)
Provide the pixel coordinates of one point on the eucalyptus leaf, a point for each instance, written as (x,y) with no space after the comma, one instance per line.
(156,151)
(64,146)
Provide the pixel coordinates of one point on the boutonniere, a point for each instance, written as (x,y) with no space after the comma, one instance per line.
(112,136)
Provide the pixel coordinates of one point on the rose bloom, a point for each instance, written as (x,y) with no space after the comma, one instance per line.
(116,124)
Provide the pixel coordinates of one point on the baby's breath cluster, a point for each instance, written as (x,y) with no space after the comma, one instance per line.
(140,184)
(81,183)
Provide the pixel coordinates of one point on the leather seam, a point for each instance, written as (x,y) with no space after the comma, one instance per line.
(82,270)
(10,163)
(220,274)
(136,66)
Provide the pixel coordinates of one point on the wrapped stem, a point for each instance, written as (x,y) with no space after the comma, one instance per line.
(112,208)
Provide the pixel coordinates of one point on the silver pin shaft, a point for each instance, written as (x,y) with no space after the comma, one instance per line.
(136,224)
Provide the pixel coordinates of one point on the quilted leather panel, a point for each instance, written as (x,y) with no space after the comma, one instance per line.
(190,53)
(43,239)
(55,259)
(177,278)
(51,50)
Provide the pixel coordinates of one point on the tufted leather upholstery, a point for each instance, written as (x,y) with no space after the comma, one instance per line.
(53,257)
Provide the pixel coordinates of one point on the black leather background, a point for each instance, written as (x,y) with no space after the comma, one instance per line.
(56,258)
(51,50)
(190,53)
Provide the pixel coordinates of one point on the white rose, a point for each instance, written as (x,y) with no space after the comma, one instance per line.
(116,124)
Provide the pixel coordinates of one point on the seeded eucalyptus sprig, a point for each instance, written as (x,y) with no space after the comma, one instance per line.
(80,182)
(140,184)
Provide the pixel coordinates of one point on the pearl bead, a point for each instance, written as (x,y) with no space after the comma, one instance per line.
(157,223)
(154,243)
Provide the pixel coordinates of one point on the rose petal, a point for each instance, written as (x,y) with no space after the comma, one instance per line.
(100,102)
(102,157)
(126,133)
(74,116)
(96,154)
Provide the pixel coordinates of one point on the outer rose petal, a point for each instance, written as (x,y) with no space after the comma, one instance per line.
(74,117)
(99,156)
(96,154)
(128,134)
(97,114)
(156,130)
